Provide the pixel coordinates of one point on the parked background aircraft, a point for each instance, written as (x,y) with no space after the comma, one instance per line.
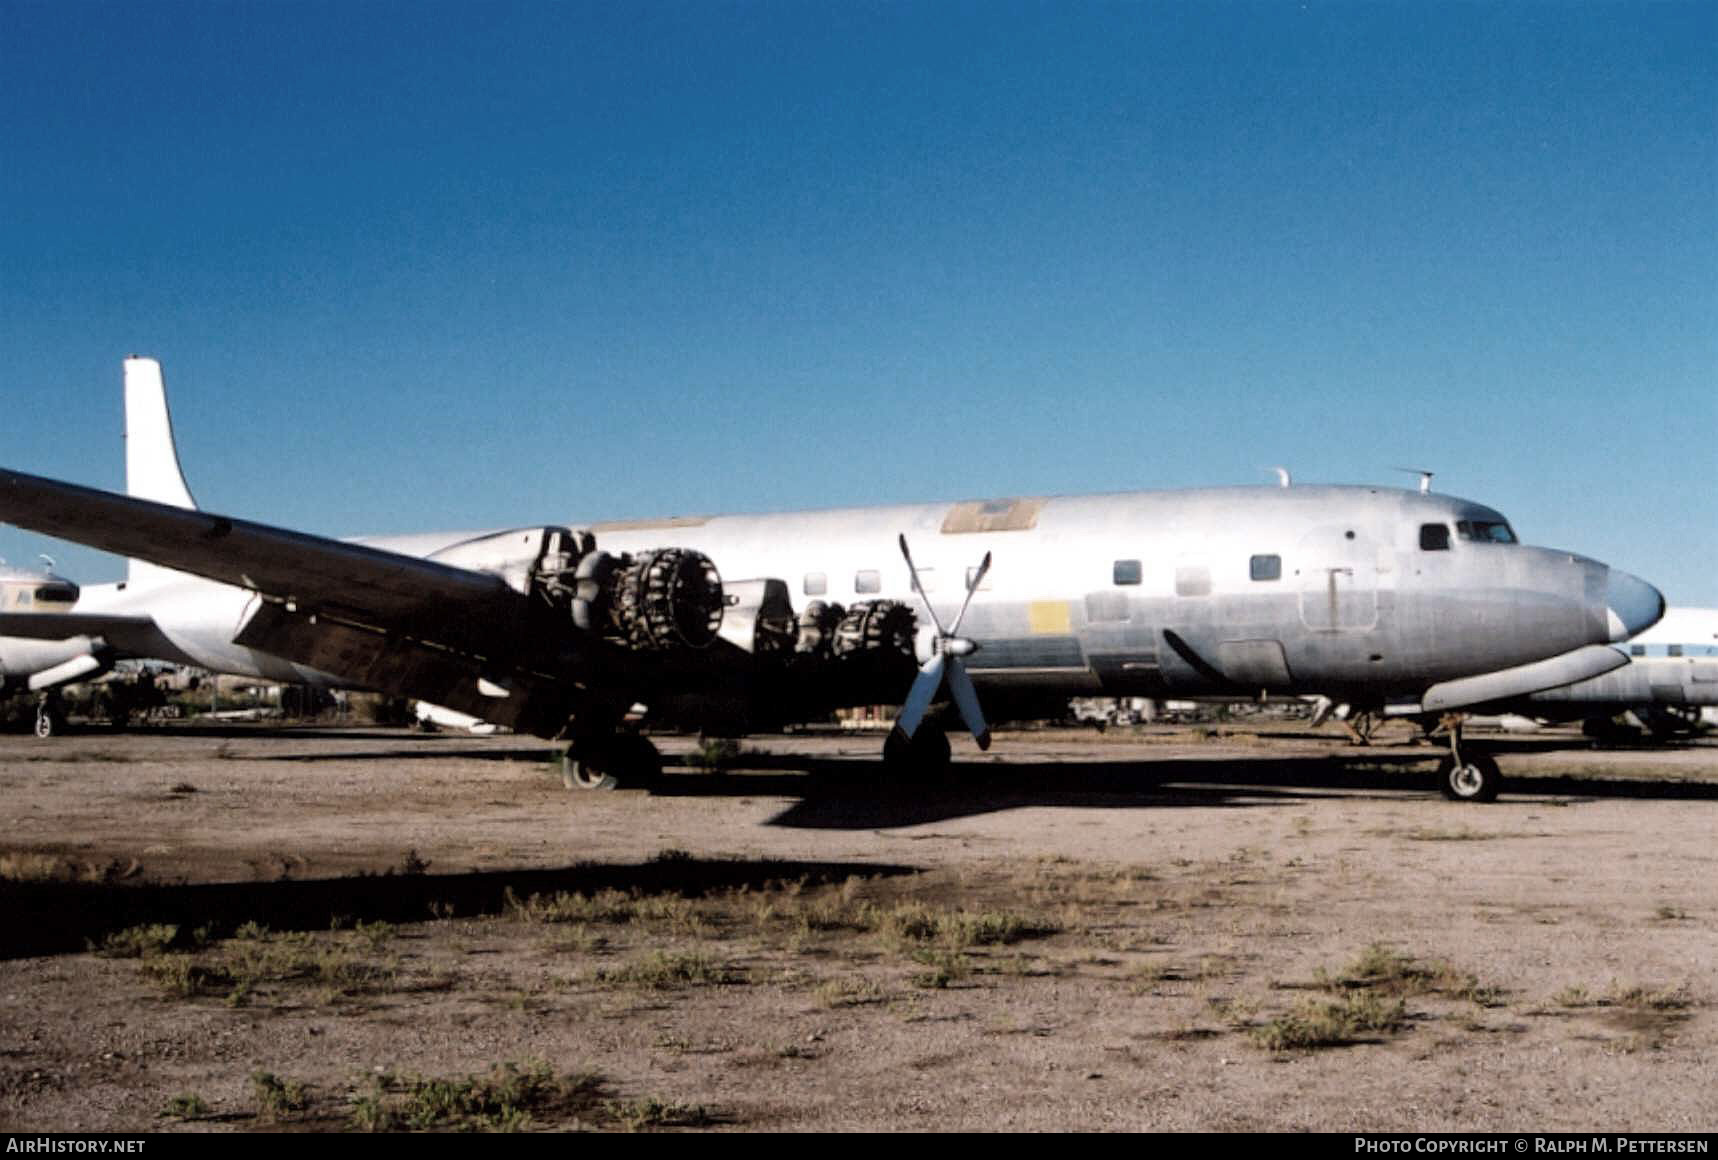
(1671,678)
(1374,594)
(53,634)
(29,666)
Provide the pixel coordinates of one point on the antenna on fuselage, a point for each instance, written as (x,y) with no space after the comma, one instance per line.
(1284,479)
(1425,477)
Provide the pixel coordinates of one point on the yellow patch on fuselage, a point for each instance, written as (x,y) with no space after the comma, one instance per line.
(1049,618)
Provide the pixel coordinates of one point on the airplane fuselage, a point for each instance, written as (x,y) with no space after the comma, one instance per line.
(1367,594)
(1189,592)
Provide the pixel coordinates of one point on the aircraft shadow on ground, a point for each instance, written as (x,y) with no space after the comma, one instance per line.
(855,794)
(66,917)
(248,731)
(535,755)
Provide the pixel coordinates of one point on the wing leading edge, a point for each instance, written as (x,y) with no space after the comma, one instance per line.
(372,618)
(369,586)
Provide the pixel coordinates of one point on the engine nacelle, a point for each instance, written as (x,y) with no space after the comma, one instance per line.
(876,628)
(668,598)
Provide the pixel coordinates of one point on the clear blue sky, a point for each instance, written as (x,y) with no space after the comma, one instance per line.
(429,265)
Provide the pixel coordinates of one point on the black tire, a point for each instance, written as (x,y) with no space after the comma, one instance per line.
(623,761)
(1475,779)
(49,724)
(584,774)
(924,756)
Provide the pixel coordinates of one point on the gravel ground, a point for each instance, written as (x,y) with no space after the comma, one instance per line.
(1242,929)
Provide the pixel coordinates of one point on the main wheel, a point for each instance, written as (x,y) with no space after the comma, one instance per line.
(49,723)
(925,754)
(623,760)
(1475,778)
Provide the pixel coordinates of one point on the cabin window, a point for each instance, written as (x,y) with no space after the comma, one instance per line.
(1637,650)
(1193,580)
(1266,568)
(972,574)
(1434,537)
(816,583)
(1485,531)
(867,580)
(927,580)
(1675,650)
(1127,572)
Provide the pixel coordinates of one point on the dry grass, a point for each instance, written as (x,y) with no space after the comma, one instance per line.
(1356,1016)
(511,1098)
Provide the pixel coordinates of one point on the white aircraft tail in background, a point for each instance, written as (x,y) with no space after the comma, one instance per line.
(151,459)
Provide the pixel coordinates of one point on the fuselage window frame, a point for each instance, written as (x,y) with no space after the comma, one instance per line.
(1434,537)
(1128,572)
(816,584)
(867,582)
(1265,567)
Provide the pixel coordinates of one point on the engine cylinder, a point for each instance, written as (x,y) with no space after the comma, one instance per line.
(668,598)
(876,627)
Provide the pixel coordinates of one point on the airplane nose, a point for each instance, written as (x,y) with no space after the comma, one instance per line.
(1631,605)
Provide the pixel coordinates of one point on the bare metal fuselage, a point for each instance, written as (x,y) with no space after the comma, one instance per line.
(1226,591)
(1356,606)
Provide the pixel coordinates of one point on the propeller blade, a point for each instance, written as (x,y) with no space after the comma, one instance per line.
(966,700)
(977,579)
(924,691)
(918,587)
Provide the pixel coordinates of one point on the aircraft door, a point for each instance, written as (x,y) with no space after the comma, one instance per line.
(1337,570)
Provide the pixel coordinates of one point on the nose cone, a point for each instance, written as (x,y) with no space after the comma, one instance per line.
(1631,605)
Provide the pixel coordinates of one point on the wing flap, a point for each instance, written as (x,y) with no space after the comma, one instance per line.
(529,702)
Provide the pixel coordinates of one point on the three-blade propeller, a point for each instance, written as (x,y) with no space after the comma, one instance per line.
(945,663)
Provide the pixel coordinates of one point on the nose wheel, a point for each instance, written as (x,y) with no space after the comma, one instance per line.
(1466,773)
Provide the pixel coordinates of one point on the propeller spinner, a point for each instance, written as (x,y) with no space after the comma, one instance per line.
(945,664)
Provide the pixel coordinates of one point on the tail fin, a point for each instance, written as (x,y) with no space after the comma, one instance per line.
(151,459)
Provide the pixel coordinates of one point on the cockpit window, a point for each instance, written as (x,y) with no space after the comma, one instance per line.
(1434,537)
(1485,531)
(56,594)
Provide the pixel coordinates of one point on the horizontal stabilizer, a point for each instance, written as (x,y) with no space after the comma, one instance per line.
(1588,661)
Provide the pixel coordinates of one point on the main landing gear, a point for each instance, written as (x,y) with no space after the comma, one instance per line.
(611,761)
(1466,773)
(50,716)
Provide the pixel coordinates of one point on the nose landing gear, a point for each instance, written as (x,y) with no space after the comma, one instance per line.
(1466,773)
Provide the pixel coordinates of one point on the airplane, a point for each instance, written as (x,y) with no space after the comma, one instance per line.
(1375,595)
(30,666)
(1670,680)
(66,634)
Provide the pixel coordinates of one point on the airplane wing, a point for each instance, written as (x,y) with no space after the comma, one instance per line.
(475,630)
(365,585)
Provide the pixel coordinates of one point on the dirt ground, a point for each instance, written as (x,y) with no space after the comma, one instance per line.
(1252,929)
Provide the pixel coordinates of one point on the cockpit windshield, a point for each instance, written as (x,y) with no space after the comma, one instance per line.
(1485,531)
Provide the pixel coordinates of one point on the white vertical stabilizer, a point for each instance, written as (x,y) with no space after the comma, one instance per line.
(151,460)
